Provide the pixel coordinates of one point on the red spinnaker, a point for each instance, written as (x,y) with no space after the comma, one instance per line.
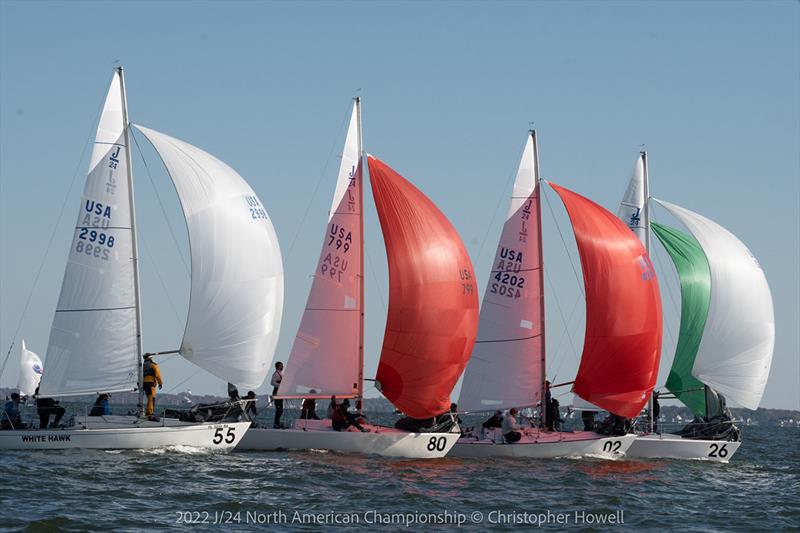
(433,304)
(622,347)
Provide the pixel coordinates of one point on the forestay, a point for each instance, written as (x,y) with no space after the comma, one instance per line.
(236,296)
(93,345)
(506,366)
(735,353)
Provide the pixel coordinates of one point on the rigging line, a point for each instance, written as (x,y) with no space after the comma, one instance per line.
(86,143)
(502,197)
(149,257)
(160,203)
(375,280)
(316,190)
(184,381)
(566,331)
(563,241)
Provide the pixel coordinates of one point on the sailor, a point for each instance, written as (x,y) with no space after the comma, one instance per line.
(656,411)
(277,377)
(510,427)
(548,407)
(343,419)
(47,407)
(250,410)
(332,406)
(152,377)
(308,411)
(101,407)
(11,418)
(495,421)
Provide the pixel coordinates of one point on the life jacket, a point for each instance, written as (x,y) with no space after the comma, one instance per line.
(148,370)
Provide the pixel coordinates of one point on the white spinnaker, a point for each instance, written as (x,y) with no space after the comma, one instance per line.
(505,369)
(631,210)
(92,345)
(236,297)
(325,353)
(30,371)
(735,352)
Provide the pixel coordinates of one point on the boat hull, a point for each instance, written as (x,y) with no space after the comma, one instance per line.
(674,447)
(545,445)
(105,434)
(319,435)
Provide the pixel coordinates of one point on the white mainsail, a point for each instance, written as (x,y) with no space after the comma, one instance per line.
(736,350)
(632,209)
(236,297)
(325,354)
(30,371)
(93,344)
(506,368)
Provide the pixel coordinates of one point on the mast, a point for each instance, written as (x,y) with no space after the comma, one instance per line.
(135,255)
(643,153)
(360,382)
(543,360)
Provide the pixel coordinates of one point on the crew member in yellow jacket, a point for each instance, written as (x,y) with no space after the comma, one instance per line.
(152,377)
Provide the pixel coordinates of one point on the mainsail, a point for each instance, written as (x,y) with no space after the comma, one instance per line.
(735,352)
(506,368)
(695,280)
(93,343)
(433,306)
(622,345)
(325,354)
(236,296)
(30,371)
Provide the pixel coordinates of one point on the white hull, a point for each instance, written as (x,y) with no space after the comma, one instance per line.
(545,445)
(674,447)
(319,435)
(121,433)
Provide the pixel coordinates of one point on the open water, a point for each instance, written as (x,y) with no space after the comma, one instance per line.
(86,490)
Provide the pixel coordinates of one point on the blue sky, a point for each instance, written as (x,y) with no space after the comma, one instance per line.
(449,89)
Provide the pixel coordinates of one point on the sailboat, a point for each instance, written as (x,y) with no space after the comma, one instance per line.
(236,293)
(619,363)
(30,371)
(430,328)
(727,327)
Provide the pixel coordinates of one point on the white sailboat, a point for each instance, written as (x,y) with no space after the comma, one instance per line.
(431,324)
(727,329)
(507,368)
(235,300)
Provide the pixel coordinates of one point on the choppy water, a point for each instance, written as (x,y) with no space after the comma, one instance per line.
(163,489)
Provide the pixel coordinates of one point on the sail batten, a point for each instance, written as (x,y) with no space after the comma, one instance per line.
(433,306)
(505,369)
(236,295)
(622,345)
(738,338)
